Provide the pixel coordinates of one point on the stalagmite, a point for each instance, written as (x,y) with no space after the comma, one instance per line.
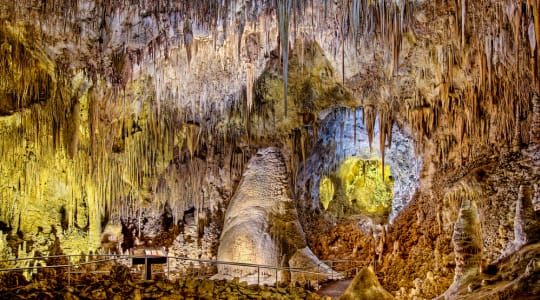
(467,240)
(256,232)
(526,226)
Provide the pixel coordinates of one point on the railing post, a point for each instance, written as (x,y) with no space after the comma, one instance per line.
(145,267)
(69,272)
(318,271)
(290,275)
(332,270)
(168,270)
(258,275)
(276,277)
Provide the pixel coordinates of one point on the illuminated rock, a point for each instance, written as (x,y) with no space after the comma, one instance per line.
(119,110)
(261,224)
(526,224)
(366,286)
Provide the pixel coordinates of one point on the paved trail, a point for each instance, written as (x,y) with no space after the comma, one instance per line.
(334,289)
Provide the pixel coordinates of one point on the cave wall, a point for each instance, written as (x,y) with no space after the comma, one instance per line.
(135,113)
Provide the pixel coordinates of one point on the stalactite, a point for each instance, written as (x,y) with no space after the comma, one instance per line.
(284,11)
(74,130)
(250,78)
(303,149)
(532,45)
(385,131)
(342,54)
(463,22)
(188,39)
(535,4)
(293,142)
(354,125)
(369,116)
(192,133)
(240,26)
(477,109)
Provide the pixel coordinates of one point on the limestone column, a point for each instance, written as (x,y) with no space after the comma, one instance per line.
(467,240)
(526,227)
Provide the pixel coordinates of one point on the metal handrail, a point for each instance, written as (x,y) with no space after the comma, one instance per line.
(115,257)
(64,256)
(119,256)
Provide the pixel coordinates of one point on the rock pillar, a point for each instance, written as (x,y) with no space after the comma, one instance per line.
(526,227)
(467,240)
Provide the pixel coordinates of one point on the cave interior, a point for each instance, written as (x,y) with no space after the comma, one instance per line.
(396,138)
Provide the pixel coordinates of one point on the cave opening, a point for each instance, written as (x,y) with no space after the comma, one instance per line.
(347,169)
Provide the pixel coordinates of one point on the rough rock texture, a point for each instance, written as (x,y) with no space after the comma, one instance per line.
(467,241)
(526,223)
(261,224)
(366,286)
(535,125)
(344,134)
(141,112)
(516,276)
(121,285)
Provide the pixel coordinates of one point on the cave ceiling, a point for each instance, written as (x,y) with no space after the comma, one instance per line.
(450,71)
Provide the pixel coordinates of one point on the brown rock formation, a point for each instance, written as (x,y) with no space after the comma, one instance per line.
(467,240)
(526,224)
(144,113)
(366,286)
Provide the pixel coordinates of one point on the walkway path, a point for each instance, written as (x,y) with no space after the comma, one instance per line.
(334,289)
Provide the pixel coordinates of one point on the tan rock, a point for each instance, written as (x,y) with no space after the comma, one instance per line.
(366,286)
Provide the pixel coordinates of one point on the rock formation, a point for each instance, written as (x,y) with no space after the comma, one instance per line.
(366,286)
(526,223)
(142,116)
(467,240)
(261,225)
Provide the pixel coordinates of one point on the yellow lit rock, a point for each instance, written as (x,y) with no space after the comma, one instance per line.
(326,191)
(360,188)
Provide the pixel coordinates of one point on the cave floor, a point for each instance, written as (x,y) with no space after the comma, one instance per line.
(334,289)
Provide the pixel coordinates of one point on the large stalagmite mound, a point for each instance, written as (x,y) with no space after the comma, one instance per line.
(366,286)
(261,225)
